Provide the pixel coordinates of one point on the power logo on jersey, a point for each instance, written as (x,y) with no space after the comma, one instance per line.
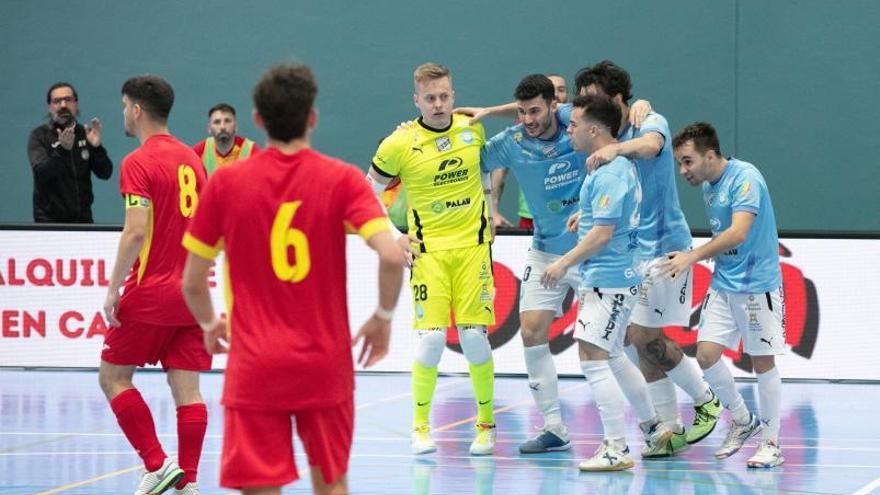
(561,174)
(450,172)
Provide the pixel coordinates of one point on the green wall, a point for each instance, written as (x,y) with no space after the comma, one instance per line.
(790,85)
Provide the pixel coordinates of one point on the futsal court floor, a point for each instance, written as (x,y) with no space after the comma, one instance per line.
(57,436)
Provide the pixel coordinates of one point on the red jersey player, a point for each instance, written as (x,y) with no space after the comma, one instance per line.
(281,216)
(160,182)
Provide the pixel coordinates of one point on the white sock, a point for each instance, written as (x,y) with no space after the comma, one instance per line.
(635,388)
(608,398)
(769,400)
(721,381)
(632,353)
(686,375)
(664,398)
(544,384)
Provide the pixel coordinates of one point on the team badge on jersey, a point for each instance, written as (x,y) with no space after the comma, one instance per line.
(443,143)
(467,136)
(517,137)
(84,154)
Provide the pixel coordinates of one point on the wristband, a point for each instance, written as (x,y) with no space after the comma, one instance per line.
(383,314)
(211,325)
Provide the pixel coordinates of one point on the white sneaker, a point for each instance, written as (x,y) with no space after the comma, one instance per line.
(156,482)
(608,457)
(484,441)
(422,443)
(188,489)
(657,438)
(737,436)
(768,455)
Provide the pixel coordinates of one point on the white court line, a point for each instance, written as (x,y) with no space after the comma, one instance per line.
(870,487)
(448,434)
(439,458)
(449,437)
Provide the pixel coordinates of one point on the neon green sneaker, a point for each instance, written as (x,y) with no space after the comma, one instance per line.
(705,419)
(677,444)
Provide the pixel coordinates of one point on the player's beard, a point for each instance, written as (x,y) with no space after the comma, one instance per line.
(223,138)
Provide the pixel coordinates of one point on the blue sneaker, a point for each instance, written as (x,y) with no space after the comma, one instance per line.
(546,441)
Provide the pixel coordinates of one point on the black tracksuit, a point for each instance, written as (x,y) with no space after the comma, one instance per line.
(62,178)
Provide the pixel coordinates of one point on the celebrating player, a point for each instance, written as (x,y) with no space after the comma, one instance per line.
(662,229)
(606,256)
(550,171)
(745,298)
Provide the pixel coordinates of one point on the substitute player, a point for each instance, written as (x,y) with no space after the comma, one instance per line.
(161,182)
(662,229)
(437,157)
(550,172)
(606,256)
(745,298)
(280,217)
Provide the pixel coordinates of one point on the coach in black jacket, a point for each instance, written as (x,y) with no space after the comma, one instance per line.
(63,156)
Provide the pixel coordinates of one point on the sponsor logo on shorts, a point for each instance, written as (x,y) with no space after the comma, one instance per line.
(616,306)
(485,294)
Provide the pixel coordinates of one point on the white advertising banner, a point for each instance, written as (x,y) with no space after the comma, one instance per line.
(53,283)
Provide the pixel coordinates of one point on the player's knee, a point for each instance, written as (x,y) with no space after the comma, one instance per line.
(763,364)
(707,358)
(662,353)
(475,343)
(430,347)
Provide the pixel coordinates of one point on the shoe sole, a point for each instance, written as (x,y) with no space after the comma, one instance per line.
(561,448)
(167,483)
(763,465)
(425,451)
(619,467)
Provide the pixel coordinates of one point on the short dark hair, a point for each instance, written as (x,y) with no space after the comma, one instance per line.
(703,136)
(535,85)
(607,75)
(601,109)
(223,107)
(152,93)
(284,97)
(60,84)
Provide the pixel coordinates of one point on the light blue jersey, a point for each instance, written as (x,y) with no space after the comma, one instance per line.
(611,196)
(550,174)
(753,266)
(663,227)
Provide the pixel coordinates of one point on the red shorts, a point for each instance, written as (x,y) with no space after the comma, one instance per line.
(258,445)
(136,344)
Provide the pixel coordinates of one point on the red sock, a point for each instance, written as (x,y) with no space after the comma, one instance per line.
(136,422)
(192,421)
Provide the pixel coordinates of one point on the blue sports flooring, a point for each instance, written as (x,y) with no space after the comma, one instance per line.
(57,435)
